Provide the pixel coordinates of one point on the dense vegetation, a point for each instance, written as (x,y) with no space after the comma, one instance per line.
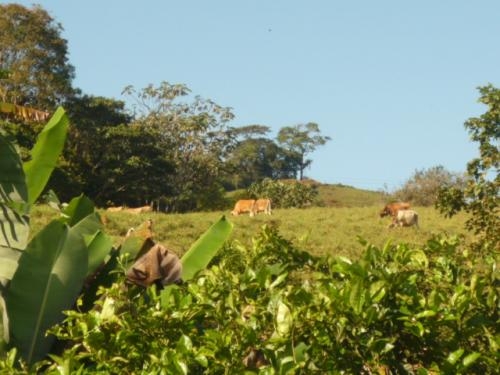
(306,290)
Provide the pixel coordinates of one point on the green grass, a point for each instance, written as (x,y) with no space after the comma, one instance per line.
(347,196)
(318,230)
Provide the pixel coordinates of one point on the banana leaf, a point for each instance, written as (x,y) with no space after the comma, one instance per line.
(9,259)
(45,153)
(14,225)
(12,181)
(99,246)
(205,248)
(48,279)
(78,208)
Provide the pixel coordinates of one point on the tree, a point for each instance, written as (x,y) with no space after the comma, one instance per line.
(88,148)
(481,194)
(33,58)
(194,138)
(299,141)
(423,187)
(252,160)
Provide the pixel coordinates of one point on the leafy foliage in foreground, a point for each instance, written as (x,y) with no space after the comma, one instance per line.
(272,309)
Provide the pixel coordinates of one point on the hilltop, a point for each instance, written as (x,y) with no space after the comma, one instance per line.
(339,195)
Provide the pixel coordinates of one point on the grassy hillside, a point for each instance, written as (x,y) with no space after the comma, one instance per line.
(330,230)
(347,196)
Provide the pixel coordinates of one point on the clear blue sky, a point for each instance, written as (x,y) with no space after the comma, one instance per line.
(391,82)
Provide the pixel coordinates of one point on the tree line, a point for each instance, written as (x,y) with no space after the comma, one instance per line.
(173,147)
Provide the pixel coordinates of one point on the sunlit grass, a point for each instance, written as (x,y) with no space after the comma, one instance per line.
(318,230)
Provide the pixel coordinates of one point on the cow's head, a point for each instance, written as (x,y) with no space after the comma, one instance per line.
(385,212)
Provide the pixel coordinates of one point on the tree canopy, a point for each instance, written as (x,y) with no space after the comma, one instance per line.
(480,196)
(299,141)
(33,58)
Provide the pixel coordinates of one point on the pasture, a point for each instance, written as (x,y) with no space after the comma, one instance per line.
(318,230)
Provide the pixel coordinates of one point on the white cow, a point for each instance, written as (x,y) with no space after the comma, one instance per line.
(405,218)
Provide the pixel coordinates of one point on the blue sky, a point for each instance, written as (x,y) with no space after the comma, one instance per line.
(391,82)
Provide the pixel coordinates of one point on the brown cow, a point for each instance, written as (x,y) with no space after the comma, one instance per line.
(263,205)
(391,209)
(244,205)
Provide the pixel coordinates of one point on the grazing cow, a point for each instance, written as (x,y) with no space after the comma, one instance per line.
(263,205)
(392,209)
(114,209)
(244,205)
(138,210)
(405,218)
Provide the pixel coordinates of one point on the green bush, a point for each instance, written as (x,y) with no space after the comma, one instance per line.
(398,309)
(284,194)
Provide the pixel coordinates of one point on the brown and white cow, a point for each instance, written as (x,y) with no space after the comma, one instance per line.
(263,205)
(244,205)
(405,218)
(391,209)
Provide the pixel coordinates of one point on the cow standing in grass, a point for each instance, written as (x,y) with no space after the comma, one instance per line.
(405,218)
(243,206)
(391,209)
(263,205)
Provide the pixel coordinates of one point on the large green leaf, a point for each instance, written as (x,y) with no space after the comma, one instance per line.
(105,278)
(8,263)
(99,247)
(205,248)
(78,208)
(12,180)
(14,226)
(81,216)
(45,153)
(49,277)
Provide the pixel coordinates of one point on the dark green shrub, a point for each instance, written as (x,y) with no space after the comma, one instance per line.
(284,194)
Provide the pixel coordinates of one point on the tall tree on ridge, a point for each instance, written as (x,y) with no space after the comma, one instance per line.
(299,141)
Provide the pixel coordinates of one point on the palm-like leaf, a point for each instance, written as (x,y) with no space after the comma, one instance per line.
(14,227)
(45,153)
(48,279)
(205,248)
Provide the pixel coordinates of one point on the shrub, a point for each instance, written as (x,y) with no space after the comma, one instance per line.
(284,194)
(397,309)
(423,187)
